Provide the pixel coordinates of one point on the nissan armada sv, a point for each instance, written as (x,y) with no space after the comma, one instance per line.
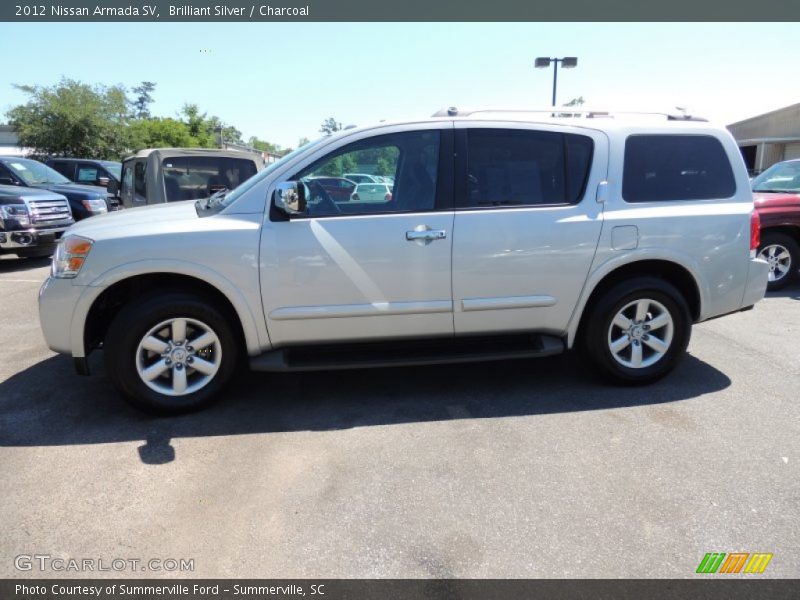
(509,234)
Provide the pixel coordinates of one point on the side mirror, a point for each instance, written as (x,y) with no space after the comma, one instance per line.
(290,198)
(112,187)
(103,181)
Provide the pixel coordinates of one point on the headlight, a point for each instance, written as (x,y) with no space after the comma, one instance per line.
(70,256)
(96,205)
(17,212)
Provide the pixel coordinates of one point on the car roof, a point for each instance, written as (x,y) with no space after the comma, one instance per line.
(72,159)
(588,118)
(175,152)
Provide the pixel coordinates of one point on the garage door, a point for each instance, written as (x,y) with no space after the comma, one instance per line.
(792,151)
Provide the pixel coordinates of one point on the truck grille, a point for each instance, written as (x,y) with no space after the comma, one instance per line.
(44,212)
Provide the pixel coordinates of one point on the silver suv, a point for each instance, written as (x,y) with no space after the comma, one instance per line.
(506,235)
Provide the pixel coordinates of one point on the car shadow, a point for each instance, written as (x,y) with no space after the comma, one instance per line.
(790,291)
(12,264)
(48,405)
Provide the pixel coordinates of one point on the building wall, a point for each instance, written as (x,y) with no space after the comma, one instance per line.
(776,135)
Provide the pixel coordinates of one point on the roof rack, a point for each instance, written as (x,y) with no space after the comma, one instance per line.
(558,111)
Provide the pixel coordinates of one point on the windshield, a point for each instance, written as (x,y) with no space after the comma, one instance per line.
(34,173)
(223,200)
(114,168)
(783,177)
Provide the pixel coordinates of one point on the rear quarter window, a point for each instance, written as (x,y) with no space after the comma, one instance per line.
(663,168)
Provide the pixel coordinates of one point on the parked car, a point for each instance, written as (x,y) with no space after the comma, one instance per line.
(31,221)
(84,200)
(339,188)
(372,192)
(89,172)
(161,175)
(777,199)
(361,178)
(508,236)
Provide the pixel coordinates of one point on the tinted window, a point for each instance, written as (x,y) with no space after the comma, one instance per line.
(676,167)
(410,158)
(192,177)
(67,169)
(139,183)
(525,168)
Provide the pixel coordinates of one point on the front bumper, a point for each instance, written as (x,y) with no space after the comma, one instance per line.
(31,238)
(57,301)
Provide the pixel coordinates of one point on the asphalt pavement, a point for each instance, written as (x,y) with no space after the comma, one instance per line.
(519,469)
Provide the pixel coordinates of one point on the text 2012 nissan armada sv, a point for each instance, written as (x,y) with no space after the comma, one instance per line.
(508,234)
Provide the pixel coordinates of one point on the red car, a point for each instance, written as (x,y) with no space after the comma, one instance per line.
(777,200)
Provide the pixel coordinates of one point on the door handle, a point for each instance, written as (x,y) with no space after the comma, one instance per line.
(426,235)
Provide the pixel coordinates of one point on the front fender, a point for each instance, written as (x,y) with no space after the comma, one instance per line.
(255,331)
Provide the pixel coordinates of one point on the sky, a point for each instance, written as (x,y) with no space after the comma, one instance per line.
(279,81)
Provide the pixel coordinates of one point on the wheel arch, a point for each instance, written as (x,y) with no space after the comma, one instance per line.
(103,299)
(680,276)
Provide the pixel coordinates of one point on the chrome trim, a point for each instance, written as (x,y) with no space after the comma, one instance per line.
(360,310)
(499,303)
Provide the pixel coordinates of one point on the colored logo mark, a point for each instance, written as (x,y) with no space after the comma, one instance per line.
(735,562)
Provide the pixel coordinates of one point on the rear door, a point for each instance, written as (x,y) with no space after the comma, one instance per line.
(527,224)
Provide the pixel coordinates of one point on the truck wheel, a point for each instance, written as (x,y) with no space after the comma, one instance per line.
(638,331)
(170,353)
(783,255)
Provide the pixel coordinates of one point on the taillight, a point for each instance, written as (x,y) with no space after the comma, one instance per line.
(755,230)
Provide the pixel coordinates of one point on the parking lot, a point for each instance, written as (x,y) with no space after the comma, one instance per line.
(518,469)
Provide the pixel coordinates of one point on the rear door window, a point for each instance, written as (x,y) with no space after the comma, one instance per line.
(67,169)
(662,168)
(518,167)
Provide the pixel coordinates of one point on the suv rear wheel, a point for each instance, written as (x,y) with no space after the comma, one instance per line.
(638,331)
(170,353)
(783,255)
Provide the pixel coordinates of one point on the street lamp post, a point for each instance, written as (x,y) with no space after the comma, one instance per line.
(568,62)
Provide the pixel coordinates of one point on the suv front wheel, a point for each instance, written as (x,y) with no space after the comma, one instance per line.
(638,331)
(171,353)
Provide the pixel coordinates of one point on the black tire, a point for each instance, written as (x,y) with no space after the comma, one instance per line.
(787,243)
(597,330)
(136,319)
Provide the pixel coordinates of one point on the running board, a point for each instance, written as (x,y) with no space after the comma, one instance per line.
(406,353)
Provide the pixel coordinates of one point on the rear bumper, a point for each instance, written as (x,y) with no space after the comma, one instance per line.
(756,286)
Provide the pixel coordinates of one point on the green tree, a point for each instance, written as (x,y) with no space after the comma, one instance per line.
(302,142)
(579,101)
(73,118)
(330,125)
(160,133)
(141,105)
(206,130)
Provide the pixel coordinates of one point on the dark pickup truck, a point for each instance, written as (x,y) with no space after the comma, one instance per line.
(31,221)
(777,200)
(84,200)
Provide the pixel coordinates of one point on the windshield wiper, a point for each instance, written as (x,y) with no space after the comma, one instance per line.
(777,191)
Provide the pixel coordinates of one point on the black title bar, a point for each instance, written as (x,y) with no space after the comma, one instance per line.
(707,588)
(403,10)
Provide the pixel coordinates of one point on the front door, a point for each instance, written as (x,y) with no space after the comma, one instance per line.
(365,266)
